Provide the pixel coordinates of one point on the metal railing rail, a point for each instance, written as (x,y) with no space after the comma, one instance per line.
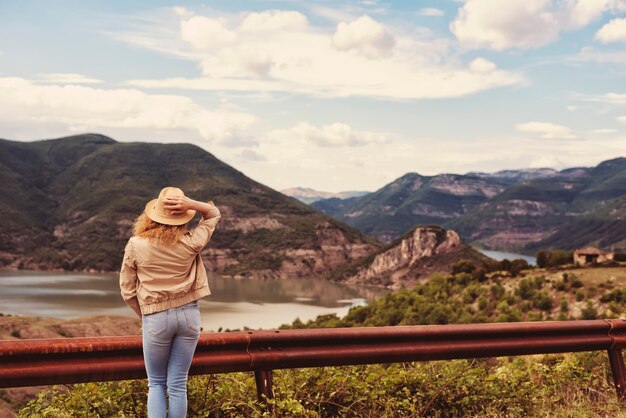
(74,360)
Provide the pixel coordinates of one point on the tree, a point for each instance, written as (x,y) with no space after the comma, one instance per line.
(542,258)
(518,265)
(463,266)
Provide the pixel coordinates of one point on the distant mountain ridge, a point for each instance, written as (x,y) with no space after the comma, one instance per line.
(412,200)
(516,210)
(308,195)
(518,175)
(70,203)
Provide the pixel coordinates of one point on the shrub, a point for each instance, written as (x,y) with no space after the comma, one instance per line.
(463,266)
(543,301)
(526,288)
(518,265)
(553,258)
(589,312)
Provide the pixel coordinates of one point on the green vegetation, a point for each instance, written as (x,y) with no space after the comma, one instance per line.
(472,296)
(553,258)
(552,385)
(548,385)
(69,204)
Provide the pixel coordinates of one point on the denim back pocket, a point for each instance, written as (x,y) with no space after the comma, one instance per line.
(192,316)
(156,324)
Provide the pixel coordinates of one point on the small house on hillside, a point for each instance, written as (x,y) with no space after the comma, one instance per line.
(591,255)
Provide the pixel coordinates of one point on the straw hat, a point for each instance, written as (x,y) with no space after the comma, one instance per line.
(157,212)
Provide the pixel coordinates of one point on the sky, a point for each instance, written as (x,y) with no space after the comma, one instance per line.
(332,95)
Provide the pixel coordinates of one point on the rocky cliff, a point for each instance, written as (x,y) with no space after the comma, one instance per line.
(412,258)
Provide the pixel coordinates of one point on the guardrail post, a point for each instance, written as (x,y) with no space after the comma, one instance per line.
(619,373)
(264,385)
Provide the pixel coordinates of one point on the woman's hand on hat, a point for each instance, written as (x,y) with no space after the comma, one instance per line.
(177,204)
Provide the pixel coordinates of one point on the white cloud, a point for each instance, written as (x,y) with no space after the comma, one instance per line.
(81,108)
(247,155)
(590,54)
(331,14)
(481,65)
(182,11)
(274,20)
(579,13)
(545,161)
(621,119)
(430,11)
(364,36)
(317,61)
(67,78)
(547,130)
(604,131)
(203,32)
(516,24)
(524,24)
(613,31)
(609,98)
(332,135)
(243,61)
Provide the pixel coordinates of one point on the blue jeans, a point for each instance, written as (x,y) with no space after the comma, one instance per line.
(169,341)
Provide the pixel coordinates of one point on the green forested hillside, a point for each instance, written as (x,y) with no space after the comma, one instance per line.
(69,203)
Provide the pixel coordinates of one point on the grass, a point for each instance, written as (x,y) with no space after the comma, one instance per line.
(597,276)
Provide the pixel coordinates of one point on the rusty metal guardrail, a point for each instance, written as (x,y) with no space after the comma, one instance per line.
(73,360)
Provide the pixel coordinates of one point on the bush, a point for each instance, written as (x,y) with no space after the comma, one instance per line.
(543,301)
(615,295)
(526,288)
(518,265)
(589,312)
(463,266)
(553,258)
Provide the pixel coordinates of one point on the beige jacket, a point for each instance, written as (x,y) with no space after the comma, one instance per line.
(155,277)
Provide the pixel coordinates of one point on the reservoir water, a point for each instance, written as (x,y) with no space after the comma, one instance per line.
(500,255)
(234,304)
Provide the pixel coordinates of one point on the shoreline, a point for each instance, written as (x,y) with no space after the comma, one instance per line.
(19,327)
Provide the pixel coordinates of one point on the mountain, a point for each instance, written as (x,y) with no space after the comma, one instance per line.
(307,195)
(578,207)
(414,199)
(516,210)
(70,203)
(415,256)
(518,175)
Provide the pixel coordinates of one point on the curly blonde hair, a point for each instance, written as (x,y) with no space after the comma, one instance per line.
(166,234)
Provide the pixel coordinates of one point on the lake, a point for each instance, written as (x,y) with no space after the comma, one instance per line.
(234,304)
(500,255)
